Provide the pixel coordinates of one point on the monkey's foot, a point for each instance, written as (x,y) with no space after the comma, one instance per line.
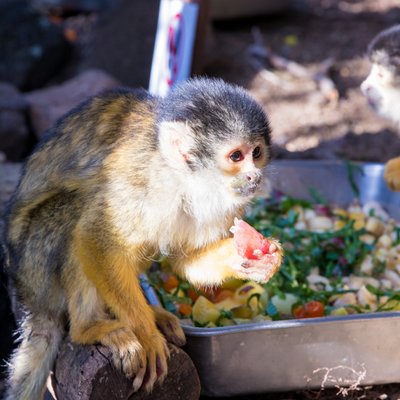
(392,173)
(142,358)
(264,266)
(169,326)
(157,354)
(128,354)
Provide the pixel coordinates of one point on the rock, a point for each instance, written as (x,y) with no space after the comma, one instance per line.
(72,6)
(9,178)
(123,40)
(93,377)
(47,105)
(32,48)
(14,132)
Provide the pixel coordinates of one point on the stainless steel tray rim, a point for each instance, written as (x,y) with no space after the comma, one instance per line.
(288,324)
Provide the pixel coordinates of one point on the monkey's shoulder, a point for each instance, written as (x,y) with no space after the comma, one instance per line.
(102,116)
(84,137)
(71,156)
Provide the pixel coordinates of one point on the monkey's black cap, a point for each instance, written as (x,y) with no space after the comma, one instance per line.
(215,110)
(384,49)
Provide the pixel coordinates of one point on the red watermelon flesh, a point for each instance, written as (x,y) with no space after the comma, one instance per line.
(250,244)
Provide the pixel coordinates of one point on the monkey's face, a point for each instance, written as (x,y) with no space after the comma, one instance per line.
(382,91)
(241,164)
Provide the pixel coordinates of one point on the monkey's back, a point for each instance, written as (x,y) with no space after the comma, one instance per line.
(74,150)
(62,176)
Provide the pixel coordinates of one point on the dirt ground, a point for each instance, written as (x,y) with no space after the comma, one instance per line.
(304,123)
(301,118)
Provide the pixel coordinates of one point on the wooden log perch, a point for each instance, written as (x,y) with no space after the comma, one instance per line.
(321,77)
(87,373)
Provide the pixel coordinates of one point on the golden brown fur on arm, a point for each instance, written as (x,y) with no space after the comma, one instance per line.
(215,263)
(129,326)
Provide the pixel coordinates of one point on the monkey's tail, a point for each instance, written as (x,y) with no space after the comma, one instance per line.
(33,359)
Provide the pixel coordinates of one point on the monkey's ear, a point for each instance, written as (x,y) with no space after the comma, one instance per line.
(176,141)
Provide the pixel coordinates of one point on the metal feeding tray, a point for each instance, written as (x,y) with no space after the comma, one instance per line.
(344,351)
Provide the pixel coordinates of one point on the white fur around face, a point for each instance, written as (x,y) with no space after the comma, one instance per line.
(383,93)
(179,208)
(175,140)
(199,210)
(390,107)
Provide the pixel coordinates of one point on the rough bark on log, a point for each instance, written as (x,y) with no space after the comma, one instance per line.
(87,373)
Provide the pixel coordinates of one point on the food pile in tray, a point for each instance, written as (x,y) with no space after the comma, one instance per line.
(337,262)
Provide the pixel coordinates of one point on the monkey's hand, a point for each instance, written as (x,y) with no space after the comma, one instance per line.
(392,174)
(213,264)
(169,326)
(261,256)
(261,269)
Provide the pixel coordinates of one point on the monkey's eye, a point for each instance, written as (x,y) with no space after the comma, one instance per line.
(257,152)
(236,156)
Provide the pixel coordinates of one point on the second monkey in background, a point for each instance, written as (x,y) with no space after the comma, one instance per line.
(382,88)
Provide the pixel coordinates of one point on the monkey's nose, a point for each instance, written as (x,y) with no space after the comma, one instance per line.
(253,177)
(366,88)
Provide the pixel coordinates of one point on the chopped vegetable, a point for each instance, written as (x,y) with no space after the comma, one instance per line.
(184,309)
(204,311)
(170,283)
(284,303)
(337,262)
(311,309)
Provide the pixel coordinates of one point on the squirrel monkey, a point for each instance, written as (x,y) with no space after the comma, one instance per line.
(119,180)
(382,88)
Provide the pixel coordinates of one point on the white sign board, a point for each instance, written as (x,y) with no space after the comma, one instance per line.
(174,43)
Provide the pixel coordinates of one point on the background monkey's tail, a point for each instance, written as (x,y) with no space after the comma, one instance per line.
(33,359)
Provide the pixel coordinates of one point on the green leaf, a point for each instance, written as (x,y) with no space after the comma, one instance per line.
(318,198)
(397,231)
(374,290)
(224,314)
(351,168)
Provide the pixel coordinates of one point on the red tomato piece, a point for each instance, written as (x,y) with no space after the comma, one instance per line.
(248,241)
(184,309)
(171,283)
(311,309)
(193,294)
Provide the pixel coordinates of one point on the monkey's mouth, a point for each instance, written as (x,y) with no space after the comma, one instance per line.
(374,99)
(373,103)
(247,190)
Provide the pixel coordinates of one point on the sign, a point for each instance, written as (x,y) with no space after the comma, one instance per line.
(174,43)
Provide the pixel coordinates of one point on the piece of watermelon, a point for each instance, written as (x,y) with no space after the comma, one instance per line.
(250,244)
